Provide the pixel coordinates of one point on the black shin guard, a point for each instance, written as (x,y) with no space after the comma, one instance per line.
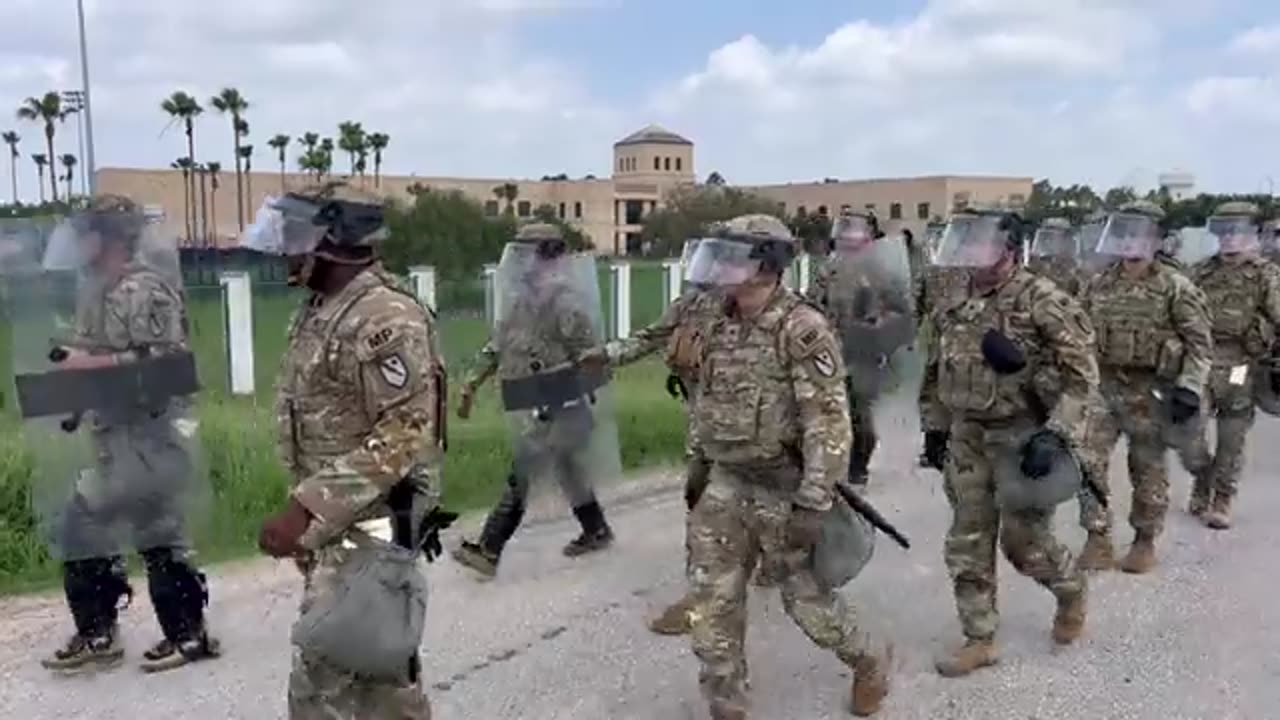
(179,593)
(93,589)
(591,517)
(504,519)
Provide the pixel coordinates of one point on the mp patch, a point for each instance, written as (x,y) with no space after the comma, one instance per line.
(394,371)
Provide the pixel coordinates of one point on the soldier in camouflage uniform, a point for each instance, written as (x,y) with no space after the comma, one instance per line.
(771,415)
(546,328)
(1153,337)
(1270,240)
(1054,255)
(1243,293)
(360,413)
(127,309)
(974,405)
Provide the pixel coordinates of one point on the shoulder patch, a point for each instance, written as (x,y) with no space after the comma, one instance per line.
(394,371)
(379,338)
(825,363)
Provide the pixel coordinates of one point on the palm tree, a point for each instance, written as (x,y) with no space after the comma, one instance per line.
(183,107)
(40,159)
(12,139)
(351,141)
(69,163)
(377,143)
(279,143)
(46,109)
(184,164)
(508,192)
(204,204)
(326,157)
(214,168)
(246,155)
(231,102)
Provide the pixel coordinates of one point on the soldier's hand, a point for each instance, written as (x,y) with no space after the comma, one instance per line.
(1183,405)
(465,398)
(804,527)
(281,533)
(1039,453)
(675,387)
(936,444)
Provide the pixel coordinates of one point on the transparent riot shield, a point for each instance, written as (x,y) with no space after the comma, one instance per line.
(1194,246)
(104,383)
(870,302)
(561,415)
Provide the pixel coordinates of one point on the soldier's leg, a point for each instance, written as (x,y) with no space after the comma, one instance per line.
(674,620)
(1028,542)
(93,588)
(574,474)
(1096,519)
(1149,475)
(499,527)
(179,594)
(1235,420)
(719,542)
(970,548)
(864,437)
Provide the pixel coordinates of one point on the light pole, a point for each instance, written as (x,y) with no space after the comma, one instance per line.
(90,166)
(74,100)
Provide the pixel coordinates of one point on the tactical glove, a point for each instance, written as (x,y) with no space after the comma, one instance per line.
(432,524)
(676,388)
(281,533)
(935,448)
(1005,357)
(1184,404)
(804,527)
(1039,453)
(1275,381)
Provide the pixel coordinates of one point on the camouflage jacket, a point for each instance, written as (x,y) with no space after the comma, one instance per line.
(936,288)
(1156,324)
(543,329)
(1050,329)
(360,402)
(1064,271)
(771,390)
(847,294)
(1244,305)
(680,329)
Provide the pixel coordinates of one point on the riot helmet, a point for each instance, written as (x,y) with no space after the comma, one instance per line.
(1235,226)
(741,249)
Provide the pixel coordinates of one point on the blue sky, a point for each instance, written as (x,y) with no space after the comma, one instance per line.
(1097,91)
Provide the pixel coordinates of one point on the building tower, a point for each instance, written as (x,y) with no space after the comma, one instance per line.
(646,165)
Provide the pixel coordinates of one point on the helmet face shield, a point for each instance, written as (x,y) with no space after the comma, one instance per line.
(851,233)
(972,241)
(1054,242)
(1131,236)
(285,226)
(1234,234)
(721,262)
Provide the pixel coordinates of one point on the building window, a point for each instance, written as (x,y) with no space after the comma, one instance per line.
(522,208)
(801,211)
(822,210)
(491,208)
(895,211)
(657,163)
(845,209)
(561,211)
(870,207)
(782,209)
(577,210)
(922,211)
(621,164)
(677,164)
(666,164)
(960,200)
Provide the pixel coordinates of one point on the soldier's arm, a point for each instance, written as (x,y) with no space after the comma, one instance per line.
(393,368)
(481,367)
(1189,310)
(817,376)
(142,318)
(817,290)
(1069,334)
(1271,293)
(650,339)
(933,414)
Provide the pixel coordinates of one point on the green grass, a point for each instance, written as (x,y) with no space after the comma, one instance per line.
(237,433)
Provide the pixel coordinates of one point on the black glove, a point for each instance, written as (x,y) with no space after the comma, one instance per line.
(1183,405)
(676,388)
(935,448)
(1275,381)
(432,524)
(1039,453)
(1001,353)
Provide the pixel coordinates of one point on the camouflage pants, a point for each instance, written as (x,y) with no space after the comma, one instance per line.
(1232,406)
(1026,538)
(1133,412)
(736,519)
(320,691)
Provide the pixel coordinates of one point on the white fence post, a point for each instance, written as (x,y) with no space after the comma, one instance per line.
(423,278)
(789,276)
(805,274)
(237,314)
(490,274)
(673,277)
(620,273)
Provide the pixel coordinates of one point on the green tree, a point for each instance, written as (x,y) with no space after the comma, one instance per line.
(246,159)
(378,143)
(279,143)
(184,108)
(1118,196)
(447,230)
(12,139)
(813,231)
(69,165)
(214,168)
(230,102)
(46,109)
(508,192)
(186,166)
(688,210)
(351,140)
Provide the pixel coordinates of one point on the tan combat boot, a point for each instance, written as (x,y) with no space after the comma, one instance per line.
(1200,499)
(1142,555)
(870,683)
(1219,517)
(973,655)
(1097,554)
(675,619)
(1068,622)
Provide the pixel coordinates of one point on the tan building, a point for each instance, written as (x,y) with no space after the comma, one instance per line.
(611,211)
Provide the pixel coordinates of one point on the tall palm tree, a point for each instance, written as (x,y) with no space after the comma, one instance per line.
(214,168)
(230,102)
(351,141)
(377,143)
(69,164)
(279,143)
(182,107)
(184,164)
(48,110)
(246,157)
(12,139)
(40,159)
(202,176)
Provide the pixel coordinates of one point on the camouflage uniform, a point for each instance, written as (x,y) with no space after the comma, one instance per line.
(771,416)
(1061,269)
(360,404)
(984,411)
(1244,303)
(1153,334)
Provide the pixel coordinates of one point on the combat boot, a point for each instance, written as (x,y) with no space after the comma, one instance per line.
(1142,555)
(1219,517)
(1068,622)
(589,542)
(168,655)
(870,683)
(1200,499)
(973,655)
(725,710)
(1098,554)
(675,619)
(82,652)
(476,557)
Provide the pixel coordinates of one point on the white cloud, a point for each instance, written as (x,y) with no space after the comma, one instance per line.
(1260,40)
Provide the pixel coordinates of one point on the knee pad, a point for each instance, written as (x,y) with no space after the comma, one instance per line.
(178,591)
(93,588)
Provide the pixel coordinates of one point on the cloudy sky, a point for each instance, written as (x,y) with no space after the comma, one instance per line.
(1098,91)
